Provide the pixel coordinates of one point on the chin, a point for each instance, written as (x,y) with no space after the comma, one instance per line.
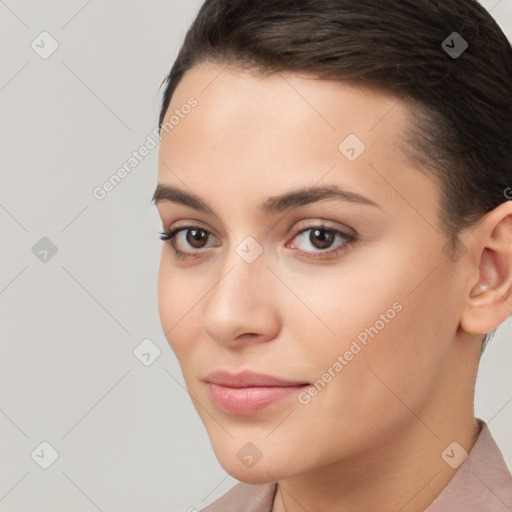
(257,471)
(252,475)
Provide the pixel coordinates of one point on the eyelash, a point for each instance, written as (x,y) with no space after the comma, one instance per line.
(168,236)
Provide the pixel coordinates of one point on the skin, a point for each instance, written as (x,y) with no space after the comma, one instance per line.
(372,438)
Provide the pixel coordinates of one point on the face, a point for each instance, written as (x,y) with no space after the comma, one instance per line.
(347,294)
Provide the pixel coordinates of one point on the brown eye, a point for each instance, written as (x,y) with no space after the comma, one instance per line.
(196,237)
(320,241)
(187,240)
(321,238)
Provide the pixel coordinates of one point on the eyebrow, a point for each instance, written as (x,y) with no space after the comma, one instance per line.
(272,205)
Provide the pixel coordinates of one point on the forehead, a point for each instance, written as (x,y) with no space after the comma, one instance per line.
(261,133)
(279,110)
(245,96)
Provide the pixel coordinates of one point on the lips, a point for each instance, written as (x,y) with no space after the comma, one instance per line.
(248,392)
(247,379)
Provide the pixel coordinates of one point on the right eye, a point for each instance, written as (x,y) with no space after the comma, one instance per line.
(186,237)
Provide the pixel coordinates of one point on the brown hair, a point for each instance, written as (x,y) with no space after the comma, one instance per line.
(461,129)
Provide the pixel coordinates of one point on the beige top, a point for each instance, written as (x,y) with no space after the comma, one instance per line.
(482,483)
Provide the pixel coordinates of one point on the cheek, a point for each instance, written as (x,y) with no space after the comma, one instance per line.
(388,323)
(167,300)
(178,301)
(387,368)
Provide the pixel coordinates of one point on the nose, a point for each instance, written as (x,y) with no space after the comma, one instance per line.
(242,308)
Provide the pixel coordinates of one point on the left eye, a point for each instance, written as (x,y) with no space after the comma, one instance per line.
(320,238)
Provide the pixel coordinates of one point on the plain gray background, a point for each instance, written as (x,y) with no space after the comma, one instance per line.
(126,434)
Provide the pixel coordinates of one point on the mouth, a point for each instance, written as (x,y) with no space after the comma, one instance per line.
(248,392)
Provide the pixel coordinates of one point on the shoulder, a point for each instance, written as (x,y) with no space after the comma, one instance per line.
(245,497)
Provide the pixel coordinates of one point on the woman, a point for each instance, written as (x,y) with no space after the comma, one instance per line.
(335,193)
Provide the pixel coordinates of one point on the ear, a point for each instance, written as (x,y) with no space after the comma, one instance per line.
(489,300)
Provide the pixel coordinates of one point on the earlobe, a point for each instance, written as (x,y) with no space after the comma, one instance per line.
(489,301)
